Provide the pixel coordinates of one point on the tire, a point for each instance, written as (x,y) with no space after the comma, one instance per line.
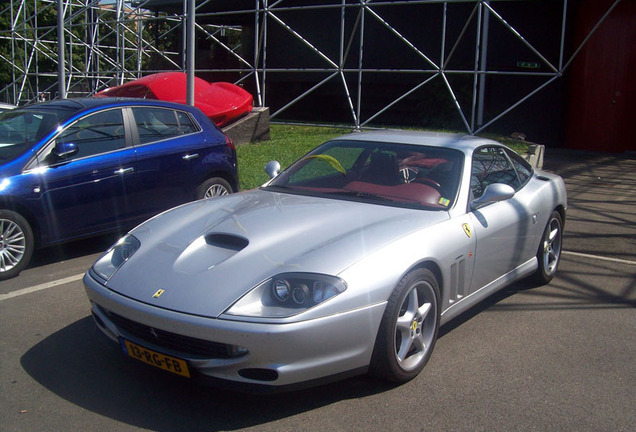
(213,187)
(408,329)
(16,244)
(549,252)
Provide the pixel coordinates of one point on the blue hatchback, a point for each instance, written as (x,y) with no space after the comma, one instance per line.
(80,167)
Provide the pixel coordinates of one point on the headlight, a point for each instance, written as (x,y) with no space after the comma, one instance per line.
(287,294)
(116,256)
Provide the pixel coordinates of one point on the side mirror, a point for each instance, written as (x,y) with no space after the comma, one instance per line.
(494,193)
(64,150)
(272,168)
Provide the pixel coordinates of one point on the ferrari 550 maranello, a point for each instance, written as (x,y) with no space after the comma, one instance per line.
(346,262)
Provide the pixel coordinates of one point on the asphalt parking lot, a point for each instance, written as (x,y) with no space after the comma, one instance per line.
(550,358)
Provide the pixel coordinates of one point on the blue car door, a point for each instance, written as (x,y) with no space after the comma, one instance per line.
(172,156)
(83,176)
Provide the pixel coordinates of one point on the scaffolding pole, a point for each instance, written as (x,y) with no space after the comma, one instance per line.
(98,43)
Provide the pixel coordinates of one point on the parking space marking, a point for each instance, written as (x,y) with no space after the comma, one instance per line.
(602,258)
(41,287)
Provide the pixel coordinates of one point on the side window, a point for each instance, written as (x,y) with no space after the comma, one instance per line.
(524,170)
(490,165)
(155,124)
(97,133)
(186,123)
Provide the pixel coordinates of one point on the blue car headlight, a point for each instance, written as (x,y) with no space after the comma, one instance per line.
(116,256)
(287,294)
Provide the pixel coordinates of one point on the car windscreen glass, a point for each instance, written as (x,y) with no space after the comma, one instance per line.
(20,129)
(400,174)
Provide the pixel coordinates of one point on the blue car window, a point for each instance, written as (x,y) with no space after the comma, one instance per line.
(155,124)
(186,124)
(96,133)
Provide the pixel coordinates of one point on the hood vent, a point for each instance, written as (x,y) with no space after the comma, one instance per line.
(227,241)
(208,251)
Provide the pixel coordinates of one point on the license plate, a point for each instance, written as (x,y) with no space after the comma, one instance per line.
(156,359)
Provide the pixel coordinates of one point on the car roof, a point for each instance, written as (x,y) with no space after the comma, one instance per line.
(87,103)
(65,109)
(464,143)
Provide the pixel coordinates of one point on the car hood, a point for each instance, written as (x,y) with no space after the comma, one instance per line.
(207,254)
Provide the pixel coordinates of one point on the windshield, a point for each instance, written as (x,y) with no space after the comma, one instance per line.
(397,174)
(21,128)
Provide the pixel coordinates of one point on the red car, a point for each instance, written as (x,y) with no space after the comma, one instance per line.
(222,102)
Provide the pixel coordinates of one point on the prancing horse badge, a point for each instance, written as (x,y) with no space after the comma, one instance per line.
(467,230)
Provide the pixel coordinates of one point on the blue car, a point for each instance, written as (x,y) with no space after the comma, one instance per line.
(81,167)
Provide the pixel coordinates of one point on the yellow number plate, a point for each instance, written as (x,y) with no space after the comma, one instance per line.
(162,361)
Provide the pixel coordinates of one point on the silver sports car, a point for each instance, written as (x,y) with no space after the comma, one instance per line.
(346,262)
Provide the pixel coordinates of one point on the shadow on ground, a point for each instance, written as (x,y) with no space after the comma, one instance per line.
(82,366)
(71,250)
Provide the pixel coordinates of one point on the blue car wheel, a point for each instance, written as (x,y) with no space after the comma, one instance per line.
(16,243)
(213,187)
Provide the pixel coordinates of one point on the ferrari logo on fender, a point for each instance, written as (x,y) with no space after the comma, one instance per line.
(158,293)
(467,230)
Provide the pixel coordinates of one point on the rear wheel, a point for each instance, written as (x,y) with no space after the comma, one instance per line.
(16,244)
(549,253)
(409,328)
(213,187)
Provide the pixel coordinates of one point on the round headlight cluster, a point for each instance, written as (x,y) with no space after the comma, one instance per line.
(281,290)
(302,291)
(287,294)
(284,291)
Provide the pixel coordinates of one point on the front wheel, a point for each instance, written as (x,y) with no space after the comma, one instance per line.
(213,187)
(549,253)
(16,244)
(408,329)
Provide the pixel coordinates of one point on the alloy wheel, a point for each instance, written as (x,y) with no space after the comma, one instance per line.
(552,246)
(12,244)
(415,326)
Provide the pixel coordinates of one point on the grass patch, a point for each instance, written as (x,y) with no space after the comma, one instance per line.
(287,144)
(290,142)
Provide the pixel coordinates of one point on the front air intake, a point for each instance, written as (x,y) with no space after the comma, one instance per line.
(259,374)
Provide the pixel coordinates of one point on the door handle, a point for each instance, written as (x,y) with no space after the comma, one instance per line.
(190,156)
(123,171)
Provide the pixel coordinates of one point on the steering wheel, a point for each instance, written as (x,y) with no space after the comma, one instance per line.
(408,174)
(438,187)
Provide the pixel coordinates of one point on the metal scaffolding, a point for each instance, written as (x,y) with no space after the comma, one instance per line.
(109,42)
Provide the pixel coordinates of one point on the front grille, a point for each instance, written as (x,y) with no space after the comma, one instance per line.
(187,345)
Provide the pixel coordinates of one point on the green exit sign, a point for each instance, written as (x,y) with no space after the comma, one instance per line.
(528,65)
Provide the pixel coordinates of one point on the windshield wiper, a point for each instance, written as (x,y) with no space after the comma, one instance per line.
(358,194)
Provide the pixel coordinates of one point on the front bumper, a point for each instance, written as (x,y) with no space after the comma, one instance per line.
(277,355)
